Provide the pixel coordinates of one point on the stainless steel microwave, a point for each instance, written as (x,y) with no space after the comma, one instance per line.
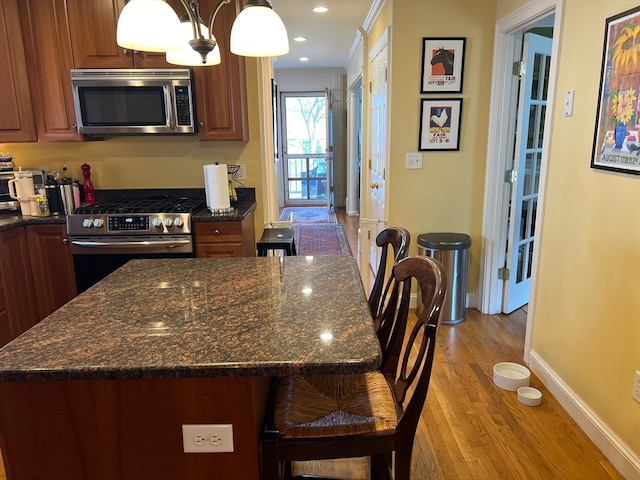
(133,101)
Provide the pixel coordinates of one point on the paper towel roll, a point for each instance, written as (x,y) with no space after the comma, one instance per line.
(216,186)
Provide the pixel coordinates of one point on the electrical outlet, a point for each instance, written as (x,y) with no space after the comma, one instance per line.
(207,438)
(413,161)
(636,387)
(242,174)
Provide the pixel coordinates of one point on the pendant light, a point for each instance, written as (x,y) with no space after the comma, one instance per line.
(258,31)
(186,55)
(155,34)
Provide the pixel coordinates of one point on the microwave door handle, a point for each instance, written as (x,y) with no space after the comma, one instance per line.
(171,107)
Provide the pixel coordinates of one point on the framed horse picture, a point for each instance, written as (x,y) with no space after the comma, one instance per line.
(442,64)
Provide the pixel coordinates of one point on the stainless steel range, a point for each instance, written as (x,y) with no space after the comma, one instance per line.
(116,229)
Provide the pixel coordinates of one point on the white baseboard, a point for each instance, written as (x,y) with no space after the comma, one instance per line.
(616,451)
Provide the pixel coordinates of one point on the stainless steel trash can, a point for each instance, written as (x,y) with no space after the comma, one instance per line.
(452,250)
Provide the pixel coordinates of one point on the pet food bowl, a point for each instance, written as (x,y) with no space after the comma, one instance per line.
(529,396)
(511,376)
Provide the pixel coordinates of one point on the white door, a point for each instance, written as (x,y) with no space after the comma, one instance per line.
(329,148)
(304,148)
(526,179)
(379,148)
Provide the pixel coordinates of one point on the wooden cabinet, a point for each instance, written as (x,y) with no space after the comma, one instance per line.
(93,28)
(221,90)
(5,324)
(49,59)
(225,239)
(16,114)
(19,289)
(52,267)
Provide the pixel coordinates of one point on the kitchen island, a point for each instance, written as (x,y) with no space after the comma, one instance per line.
(101,388)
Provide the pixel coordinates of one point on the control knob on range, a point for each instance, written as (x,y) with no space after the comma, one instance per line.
(167,222)
(178,222)
(98,222)
(156,222)
(87,223)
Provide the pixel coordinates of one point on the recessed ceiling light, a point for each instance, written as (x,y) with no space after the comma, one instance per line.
(304,59)
(299,39)
(321,9)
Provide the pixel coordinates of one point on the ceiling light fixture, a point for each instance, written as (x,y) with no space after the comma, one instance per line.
(299,39)
(257,31)
(320,9)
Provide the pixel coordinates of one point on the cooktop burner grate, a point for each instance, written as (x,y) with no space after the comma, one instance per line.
(155,204)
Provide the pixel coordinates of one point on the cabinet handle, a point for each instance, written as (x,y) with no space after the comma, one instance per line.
(125,51)
(201,124)
(216,232)
(65,241)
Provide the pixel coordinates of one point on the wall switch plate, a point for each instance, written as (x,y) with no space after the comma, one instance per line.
(241,174)
(414,161)
(207,438)
(568,103)
(636,387)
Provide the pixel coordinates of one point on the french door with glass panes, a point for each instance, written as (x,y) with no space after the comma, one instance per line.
(305,148)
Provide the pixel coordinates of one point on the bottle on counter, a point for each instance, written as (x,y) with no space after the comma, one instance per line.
(43,206)
(89,195)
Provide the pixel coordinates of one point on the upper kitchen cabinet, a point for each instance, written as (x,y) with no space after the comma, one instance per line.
(17,123)
(221,90)
(49,59)
(93,26)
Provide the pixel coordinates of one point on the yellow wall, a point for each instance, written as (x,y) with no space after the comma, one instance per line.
(153,161)
(587,304)
(446,195)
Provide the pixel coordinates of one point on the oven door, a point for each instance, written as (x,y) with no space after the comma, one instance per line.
(96,257)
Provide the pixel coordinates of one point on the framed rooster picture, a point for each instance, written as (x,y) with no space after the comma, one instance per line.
(440,124)
(442,64)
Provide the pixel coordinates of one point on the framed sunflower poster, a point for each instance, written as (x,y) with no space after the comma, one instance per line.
(616,143)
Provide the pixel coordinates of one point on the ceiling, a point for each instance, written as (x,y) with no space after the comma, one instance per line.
(330,35)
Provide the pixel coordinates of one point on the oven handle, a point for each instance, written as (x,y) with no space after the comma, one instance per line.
(142,244)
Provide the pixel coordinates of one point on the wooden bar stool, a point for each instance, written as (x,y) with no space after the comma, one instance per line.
(276,239)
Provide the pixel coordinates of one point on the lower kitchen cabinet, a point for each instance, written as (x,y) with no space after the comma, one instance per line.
(52,267)
(226,239)
(19,292)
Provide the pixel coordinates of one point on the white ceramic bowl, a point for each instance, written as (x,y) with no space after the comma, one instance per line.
(511,376)
(529,396)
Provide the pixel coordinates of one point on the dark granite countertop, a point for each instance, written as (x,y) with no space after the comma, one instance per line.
(196,317)
(10,220)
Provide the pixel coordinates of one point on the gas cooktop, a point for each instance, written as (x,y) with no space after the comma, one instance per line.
(152,205)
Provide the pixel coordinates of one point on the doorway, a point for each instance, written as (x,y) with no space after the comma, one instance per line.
(306,148)
(509,41)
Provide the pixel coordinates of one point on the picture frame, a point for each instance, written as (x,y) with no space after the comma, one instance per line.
(616,141)
(440,121)
(442,64)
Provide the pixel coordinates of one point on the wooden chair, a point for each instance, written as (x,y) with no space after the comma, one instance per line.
(383,298)
(372,414)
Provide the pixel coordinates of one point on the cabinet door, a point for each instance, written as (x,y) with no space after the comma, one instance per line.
(19,289)
(5,325)
(221,90)
(16,114)
(52,267)
(92,25)
(48,52)
(216,250)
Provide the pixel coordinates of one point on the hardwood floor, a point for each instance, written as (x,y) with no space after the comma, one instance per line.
(470,428)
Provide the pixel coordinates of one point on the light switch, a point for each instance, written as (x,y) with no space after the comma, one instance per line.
(414,161)
(568,103)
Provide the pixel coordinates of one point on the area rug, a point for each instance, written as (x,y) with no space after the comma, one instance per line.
(321,240)
(308,215)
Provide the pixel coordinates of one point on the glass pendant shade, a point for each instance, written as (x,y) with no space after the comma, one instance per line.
(259,32)
(186,55)
(148,26)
